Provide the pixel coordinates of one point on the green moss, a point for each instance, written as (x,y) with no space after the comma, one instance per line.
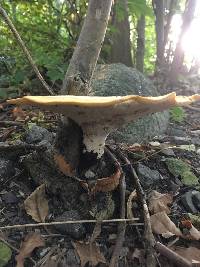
(178,167)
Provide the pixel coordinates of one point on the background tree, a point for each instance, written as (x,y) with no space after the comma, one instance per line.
(179,53)
(140,43)
(120,40)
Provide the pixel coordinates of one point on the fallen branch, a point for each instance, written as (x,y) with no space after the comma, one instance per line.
(17,226)
(172,256)
(25,50)
(149,238)
(122,225)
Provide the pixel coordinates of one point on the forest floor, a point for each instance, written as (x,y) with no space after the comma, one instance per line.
(168,170)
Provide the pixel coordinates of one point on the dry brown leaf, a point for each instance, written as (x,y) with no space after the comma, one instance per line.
(36,204)
(63,166)
(159,202)
(31,241)
(131,197)
(192,254)
(107,184)
(162,225)
(18,114)
(194,234)
(89,253)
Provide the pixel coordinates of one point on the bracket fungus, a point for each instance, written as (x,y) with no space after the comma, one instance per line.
(98,116)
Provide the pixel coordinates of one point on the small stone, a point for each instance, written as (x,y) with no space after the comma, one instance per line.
(9,198)
(195,141)
(168,152)
(6,169)
(147,176)
(37,134)
(187,201)
(154,144)
(77,230)
(196,199)
(181,140)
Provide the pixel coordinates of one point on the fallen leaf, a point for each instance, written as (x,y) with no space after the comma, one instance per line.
(63,166)
(5,254)
(89,253)
(18,114)
(131,197)
(194,233)
(162,225)
(31,241)
(192,254)
(36,204)
(159,202)
(107,184)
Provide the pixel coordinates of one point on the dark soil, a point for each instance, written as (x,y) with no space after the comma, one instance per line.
(22,170)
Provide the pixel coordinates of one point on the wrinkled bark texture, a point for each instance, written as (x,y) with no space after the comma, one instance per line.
(121,46)
(140,44)
(179,53)
(86,53)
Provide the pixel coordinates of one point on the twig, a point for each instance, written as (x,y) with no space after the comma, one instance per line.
(172,256)
(122,225)
(149,238)
(17,226)
(25,50)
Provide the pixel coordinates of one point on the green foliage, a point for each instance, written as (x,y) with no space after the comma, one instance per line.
(140,7)
(177,114)
(5,254)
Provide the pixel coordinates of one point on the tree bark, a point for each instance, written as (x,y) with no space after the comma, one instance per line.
(86,53)
(172,6)
(179,53)
(158,6)
(121,46)
(140,44)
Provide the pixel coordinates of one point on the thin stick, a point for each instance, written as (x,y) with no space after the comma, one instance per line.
(122,225)
(149,238)
(67,222)
(25,50)
(172,256)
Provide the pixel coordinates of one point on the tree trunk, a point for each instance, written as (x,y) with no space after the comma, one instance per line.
(140,44)
(86,53)
(158,6)
(121,46)
(172,7)
(179,53)
(69,141)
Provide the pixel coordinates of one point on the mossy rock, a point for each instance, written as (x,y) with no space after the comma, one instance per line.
(118,79)
(5,254)
(177,167)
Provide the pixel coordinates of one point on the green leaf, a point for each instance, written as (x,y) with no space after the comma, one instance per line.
(5,254)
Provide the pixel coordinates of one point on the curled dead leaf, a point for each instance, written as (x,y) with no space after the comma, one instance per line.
(31,241)
(36,205)
(107,184)
(63,166)
(131,197)
(159,202)
(162,225)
